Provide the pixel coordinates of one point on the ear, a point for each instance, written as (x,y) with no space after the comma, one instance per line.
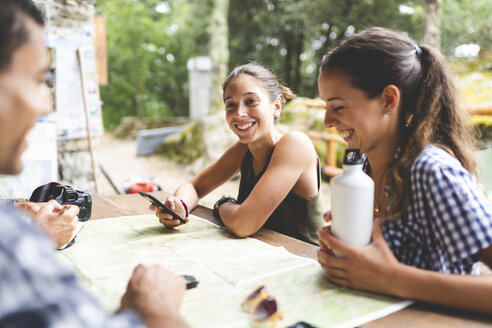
(277,107)
(390,98)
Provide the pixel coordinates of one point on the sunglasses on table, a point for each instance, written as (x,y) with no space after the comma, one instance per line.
(261,306)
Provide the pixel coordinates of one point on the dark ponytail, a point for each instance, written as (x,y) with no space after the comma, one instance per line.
(429,113)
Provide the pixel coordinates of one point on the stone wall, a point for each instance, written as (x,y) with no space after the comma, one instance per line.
(67,13)
(74,161)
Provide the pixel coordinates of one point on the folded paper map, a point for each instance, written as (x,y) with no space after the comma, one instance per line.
(228,269)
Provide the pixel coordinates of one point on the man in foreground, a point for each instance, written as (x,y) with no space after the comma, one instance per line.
(36,290)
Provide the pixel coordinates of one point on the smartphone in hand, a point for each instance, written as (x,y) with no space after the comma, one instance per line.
(161,206)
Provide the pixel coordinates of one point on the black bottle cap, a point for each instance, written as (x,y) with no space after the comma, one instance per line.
(352,157)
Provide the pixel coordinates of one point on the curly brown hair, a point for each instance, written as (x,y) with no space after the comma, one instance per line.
(429,109)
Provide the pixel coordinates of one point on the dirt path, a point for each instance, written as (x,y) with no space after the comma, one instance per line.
(119,159)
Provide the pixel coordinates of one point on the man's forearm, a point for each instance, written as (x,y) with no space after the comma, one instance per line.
(168,320)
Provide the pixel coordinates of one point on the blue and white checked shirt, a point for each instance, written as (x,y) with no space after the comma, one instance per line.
(36,290)
(448,219)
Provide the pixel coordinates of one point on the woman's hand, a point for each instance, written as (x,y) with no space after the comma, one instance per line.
(371,268)
(322,245)
(166,219)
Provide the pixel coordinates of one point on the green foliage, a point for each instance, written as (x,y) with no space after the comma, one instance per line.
(483,125)
(466,21)
(474,82)
(464,66)
(185,147)
(291,37)
(147,55)
(299,116)
(148,49)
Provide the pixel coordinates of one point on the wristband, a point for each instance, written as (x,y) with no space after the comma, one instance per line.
(224,199)
(185,207)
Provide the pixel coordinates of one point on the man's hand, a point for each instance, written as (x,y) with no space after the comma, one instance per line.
(156,294)
(58,221)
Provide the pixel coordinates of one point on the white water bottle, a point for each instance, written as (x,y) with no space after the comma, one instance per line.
(352,202)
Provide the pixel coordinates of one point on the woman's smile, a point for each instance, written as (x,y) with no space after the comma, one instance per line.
(346,134)
(245,126)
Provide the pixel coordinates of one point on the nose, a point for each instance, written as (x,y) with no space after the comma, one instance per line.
(330,120)
(242,110)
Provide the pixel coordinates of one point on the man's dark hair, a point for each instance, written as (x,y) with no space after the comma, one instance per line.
(13,29)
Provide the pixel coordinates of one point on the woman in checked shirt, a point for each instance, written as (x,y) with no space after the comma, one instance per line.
(396,102)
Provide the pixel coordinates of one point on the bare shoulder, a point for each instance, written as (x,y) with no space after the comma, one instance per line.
(294,147)
(296,140)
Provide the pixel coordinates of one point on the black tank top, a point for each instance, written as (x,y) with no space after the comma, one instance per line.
(295,216)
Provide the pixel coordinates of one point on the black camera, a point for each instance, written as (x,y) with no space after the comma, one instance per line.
(65,195)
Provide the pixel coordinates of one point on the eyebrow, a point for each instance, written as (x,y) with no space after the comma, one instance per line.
(245,94)
(334,98)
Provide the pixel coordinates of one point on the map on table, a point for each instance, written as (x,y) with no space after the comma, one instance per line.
(228,269)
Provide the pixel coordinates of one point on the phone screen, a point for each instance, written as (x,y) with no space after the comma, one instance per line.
(161,206)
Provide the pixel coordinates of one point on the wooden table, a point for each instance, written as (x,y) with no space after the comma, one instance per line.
(418,315)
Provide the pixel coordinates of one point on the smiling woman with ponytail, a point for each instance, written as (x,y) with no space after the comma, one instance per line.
(280,173)
(396,101)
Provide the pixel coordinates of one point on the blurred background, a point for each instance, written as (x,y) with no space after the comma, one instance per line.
(161,65)
(150,42)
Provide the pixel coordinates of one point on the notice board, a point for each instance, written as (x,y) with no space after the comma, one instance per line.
(76,86)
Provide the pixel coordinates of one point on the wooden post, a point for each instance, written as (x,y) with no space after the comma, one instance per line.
(331,150)
(87,121)
(484,109)
(100,49)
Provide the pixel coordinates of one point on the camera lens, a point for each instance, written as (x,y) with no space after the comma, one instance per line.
(82,212)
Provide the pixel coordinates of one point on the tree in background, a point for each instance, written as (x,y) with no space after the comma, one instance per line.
(150,42)
(465,22)
(432,23)
(290,37)
(218,51)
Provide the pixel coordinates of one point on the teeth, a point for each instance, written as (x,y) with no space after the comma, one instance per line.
(345,133)
(244,126)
